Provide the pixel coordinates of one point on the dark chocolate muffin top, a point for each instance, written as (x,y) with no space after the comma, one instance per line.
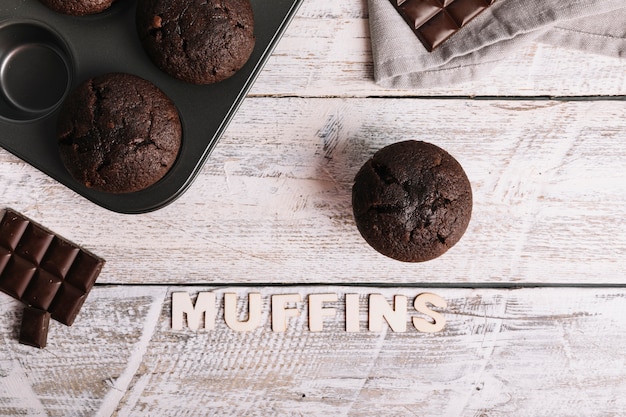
(118,133)
(412,201)
(78,7)
(197,41)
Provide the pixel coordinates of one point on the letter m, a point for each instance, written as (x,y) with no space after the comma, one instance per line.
(204,306)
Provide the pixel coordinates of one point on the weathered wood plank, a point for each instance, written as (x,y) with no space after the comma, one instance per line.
(530,352)
(273,203)
(86,368)
(524,352)
(328,44)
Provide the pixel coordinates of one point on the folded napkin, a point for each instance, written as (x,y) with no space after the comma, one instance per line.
(401,61)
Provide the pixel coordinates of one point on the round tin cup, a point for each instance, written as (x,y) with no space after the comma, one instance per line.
(35,70)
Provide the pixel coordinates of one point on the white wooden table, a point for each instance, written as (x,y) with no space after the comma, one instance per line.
(536,301)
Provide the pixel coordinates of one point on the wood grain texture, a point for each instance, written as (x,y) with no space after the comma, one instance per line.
(328,44)
(273,204)
(86,367)
(525,352)
(502,353)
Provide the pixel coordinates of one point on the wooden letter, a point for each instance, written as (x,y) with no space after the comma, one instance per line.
(439,321)
(254,312)
(317,310)
(205,305)
(379,308)
(280,312)
(352,313)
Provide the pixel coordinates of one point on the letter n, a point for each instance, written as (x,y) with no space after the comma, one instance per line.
(380,309)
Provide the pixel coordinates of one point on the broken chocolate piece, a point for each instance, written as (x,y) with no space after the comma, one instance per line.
(434,21)
(34,331)
(44,270)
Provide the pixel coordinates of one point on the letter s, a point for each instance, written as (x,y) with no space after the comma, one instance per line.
(439,321)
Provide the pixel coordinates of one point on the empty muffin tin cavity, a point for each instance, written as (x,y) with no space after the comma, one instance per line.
(35,70)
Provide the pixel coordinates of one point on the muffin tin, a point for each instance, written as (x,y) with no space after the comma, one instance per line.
(44,54)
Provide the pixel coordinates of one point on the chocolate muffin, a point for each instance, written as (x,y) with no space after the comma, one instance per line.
(118,133)
(412,201)
(197,41)
(78,7)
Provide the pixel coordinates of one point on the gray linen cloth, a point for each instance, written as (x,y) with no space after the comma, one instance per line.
(401,61)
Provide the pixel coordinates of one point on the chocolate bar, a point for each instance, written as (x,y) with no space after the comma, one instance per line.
(434,21)
(43,270)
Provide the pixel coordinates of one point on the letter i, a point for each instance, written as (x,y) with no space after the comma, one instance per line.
(352,313)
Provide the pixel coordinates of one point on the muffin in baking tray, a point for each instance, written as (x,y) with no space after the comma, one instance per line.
(78,7)
(118,133)
(197,41)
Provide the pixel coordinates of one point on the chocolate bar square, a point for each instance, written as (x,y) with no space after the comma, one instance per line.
(67,303)
(33,244)
(435,21)
(462,11)
(42,289)
(16,276)
(59,257)
(437,29)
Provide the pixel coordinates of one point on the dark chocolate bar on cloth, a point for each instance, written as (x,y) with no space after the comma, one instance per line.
(434,21)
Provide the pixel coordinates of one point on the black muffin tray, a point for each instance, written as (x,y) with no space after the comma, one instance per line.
(44,54)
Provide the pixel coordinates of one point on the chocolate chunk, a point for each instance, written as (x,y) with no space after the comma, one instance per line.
(43,270)
(34,331)
(434,21)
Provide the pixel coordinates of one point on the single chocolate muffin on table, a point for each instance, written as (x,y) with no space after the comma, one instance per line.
(412,201)
(118,133)
(78,7)
(197,41)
